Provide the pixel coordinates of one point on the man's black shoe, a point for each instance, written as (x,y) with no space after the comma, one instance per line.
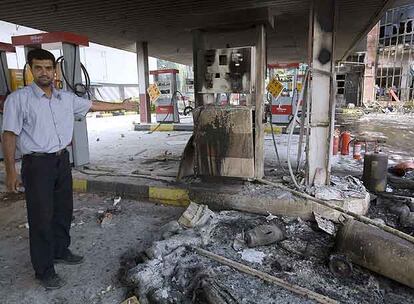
(52,282)
(69,259)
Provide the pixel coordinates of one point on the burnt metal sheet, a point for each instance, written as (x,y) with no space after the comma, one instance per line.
(223,141)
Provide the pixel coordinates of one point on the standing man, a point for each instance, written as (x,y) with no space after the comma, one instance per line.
(38,120)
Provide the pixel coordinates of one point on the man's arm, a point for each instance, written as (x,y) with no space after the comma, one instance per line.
(108,106)
(9,148)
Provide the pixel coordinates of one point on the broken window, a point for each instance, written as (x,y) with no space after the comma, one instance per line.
(395,53)
(409,27)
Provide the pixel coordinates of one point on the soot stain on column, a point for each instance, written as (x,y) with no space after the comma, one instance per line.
(324,56)
(214,142)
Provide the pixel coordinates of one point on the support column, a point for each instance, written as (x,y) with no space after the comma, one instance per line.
(259,100)
(368,96)
(322,106)
(121,89)
(199,43)
(143,81)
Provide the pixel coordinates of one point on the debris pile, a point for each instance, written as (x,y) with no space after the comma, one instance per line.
(105,216)
(394,210)
(340,188)
(401,177)
(395,207)
(205,257)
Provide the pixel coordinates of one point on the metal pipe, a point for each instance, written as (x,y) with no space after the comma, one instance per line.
(301,97)
(302,129)
(377,250)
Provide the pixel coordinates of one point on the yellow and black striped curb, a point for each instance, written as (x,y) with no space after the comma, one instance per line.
(116,113)
(189,128)
(230,198)
(174,196)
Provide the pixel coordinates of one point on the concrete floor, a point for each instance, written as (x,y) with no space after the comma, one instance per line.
(116,148)
(397,128)
(94,281)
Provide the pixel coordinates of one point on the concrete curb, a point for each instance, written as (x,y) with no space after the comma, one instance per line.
(218,197)
(174,196)
(110,114)
(189,128)
(163,127)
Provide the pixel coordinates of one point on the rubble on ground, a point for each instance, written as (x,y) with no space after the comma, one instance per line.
(105,216)
(341,188)
(171,271)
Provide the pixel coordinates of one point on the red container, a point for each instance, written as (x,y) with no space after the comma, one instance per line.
(344,142)
(335,145)
(357,151)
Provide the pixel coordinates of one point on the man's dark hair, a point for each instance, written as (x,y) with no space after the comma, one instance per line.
(40,54)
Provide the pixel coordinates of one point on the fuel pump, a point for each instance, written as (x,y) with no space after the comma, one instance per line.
(166,107)
(228,136)
(5,81)
(69,77)
(283,107)
(224,132)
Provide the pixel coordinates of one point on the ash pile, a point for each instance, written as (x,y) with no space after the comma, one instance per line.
(235,257)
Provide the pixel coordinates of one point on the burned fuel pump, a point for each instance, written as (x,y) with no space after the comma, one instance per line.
(228,117)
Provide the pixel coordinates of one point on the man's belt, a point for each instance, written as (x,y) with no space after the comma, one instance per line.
(57,153)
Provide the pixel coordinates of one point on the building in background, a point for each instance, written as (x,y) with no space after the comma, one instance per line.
(349,80)
(381,69)
(395,55)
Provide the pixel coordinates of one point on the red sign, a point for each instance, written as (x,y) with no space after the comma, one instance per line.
(279,65)
(50,38)
(169,71)
(7,47)
(164,110)
(282,110)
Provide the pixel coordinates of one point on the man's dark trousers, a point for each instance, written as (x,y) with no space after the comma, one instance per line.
(48,188)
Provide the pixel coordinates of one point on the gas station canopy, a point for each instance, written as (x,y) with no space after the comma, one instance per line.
(166,25)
